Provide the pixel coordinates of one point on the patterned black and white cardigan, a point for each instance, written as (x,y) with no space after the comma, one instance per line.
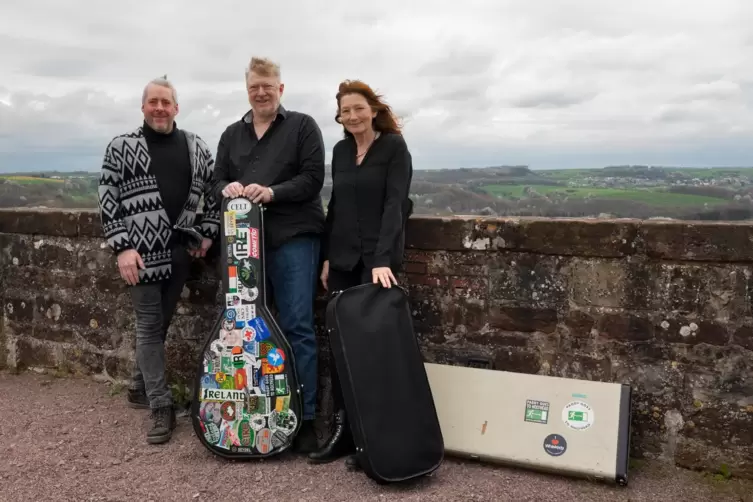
(130,205)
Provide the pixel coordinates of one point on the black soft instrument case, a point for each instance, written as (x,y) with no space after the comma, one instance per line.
(246,399)
(385,388)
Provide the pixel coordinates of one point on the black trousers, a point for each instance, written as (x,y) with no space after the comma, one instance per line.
(339,280)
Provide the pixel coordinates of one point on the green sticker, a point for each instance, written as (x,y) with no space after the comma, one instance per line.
(536,411)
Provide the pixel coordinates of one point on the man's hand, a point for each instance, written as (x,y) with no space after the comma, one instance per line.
(202,251)
(257,193)
(129,263)
(325,275)
(383,275)
(234,189)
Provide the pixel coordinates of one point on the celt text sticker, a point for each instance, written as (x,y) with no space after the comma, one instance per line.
(240,206)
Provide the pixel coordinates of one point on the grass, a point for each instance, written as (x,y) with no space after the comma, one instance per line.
(653,197)
(30,180)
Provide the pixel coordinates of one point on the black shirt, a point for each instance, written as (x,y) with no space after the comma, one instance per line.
(368,209)
(289,158)
(171,165)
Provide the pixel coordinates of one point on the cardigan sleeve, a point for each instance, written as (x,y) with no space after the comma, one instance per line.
(110,209)
(210,221)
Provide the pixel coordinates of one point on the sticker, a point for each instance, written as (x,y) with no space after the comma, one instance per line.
(232,300)
(276,357)
(257,422)
(227,410)
(251,347)
(279,439)
(258,405)
(264,441)
(238,359)
(262,332)
(226,364)
(282,403)
(211,432)
(285,421)
(254,234)
(240,206)
(578,415)
(222,441)
(536,411)
(248,294)
(232,279)
(233,339)
(555,445)
(247,273)
(222,395)
(264,348)
(227,324)
(209,381)
(241,244)
(268,385)
(217,347)
(229,217)
(244,313)
(241,379)
(245,433)
(281,385)
(230,314)
(210,413)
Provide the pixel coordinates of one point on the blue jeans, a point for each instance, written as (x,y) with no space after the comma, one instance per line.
(292,272)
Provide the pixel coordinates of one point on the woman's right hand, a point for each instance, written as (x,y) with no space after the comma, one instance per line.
(325,274)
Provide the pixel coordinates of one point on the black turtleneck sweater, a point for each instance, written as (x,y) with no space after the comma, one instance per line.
(171,165)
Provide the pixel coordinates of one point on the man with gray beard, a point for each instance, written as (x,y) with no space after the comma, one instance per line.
(151,182)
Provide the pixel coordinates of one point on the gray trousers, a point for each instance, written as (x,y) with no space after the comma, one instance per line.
(154,305)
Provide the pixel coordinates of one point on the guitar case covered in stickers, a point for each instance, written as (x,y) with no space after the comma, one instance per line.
(385,388)
(246,400)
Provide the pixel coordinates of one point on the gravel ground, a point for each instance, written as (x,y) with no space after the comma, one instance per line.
(69,439)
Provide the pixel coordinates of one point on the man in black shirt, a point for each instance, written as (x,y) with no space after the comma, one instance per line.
(151,182)
(275,157)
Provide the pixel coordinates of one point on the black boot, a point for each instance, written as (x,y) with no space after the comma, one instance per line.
(338,445)
(352,463)
(305,440)
(137,399)
(164,424)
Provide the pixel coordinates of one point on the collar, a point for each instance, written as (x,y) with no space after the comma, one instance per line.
(248,117)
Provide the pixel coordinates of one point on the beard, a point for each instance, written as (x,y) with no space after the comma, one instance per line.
(164,126)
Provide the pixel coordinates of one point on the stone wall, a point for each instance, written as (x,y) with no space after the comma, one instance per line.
(664,306)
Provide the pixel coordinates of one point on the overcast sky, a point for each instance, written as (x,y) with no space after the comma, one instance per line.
(545,83)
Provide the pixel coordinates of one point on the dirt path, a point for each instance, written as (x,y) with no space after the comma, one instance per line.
(69,439)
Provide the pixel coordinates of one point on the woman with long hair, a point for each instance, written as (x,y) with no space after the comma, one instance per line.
(366,216)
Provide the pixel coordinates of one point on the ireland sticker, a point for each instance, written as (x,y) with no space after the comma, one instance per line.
(578,415)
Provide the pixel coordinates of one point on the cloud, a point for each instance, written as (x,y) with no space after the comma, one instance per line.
(555,84)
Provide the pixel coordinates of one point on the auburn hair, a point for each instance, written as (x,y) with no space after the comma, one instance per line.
(385,120)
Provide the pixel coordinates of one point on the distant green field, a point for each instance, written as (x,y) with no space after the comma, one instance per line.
(30,180)
(654,197)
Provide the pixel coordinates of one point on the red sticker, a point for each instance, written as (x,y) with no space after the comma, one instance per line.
(227,411)
(254,242)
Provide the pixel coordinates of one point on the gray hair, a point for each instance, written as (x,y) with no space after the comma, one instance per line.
(162,82)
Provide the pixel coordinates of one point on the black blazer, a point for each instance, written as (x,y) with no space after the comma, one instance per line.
(369,205)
